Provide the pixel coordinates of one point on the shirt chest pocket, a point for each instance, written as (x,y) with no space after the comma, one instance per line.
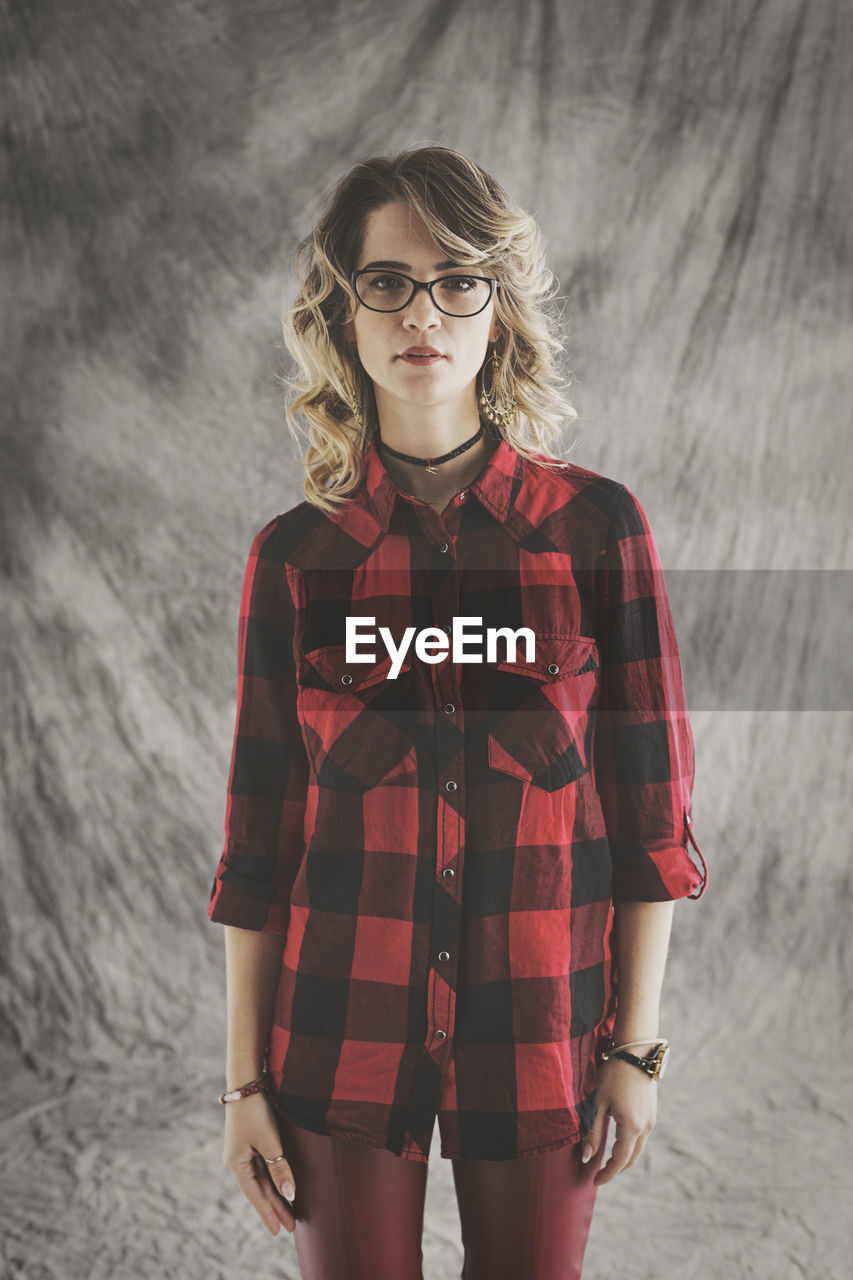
(538,713)
(357,722)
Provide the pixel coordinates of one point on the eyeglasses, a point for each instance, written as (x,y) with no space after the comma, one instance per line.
(455,295)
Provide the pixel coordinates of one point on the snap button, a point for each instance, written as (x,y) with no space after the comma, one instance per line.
(447,629)
(448,873)
(553,668)
(346,678)
(443,548)
(449,708)
(444,955)
(451,786)
(441,1035)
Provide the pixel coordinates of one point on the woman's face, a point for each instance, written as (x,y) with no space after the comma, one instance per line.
(397,237)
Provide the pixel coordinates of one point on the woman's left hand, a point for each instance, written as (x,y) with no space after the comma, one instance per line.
(631,1097)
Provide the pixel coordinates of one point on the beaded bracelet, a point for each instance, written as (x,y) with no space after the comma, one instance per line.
(246,1090)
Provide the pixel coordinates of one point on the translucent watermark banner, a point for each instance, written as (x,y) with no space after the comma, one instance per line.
(765,639)
(748,639)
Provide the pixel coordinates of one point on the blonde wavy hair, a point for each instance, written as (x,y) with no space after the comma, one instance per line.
(473,221)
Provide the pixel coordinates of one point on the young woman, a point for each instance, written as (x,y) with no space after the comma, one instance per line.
(459,799)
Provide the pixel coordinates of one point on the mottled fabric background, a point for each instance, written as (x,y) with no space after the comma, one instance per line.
(690,166)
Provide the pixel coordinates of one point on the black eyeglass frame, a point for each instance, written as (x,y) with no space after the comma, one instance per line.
(422,284)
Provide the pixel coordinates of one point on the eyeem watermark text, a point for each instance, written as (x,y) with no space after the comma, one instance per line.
(432,643)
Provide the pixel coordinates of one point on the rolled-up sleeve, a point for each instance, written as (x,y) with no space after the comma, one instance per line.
(267,783)
(643,746)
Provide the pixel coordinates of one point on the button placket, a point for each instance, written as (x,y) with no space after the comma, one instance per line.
(450,814)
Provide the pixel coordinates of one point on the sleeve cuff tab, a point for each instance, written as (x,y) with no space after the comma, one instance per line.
(688,829)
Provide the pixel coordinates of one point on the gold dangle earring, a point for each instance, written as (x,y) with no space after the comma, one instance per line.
(501,417)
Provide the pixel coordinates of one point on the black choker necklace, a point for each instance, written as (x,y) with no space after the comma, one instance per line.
(429,463)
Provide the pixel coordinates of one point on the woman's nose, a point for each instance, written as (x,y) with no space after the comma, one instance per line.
(422,313)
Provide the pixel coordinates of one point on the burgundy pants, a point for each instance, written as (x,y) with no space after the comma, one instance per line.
(360,1211)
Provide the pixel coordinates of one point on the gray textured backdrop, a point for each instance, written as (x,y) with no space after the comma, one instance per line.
(690,165)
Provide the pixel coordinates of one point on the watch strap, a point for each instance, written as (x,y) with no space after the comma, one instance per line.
(651,1063)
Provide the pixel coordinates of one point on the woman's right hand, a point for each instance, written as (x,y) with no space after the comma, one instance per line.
(251,1134)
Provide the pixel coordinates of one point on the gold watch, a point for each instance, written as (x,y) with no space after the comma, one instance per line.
(654,1063)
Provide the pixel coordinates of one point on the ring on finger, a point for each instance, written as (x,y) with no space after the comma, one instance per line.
(275,1159)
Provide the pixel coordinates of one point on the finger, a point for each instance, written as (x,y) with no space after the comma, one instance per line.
(282,1176)
(592,1141)
(261,1195)
(638,1149)
(260,1203)
(282,1210)
(623,1149)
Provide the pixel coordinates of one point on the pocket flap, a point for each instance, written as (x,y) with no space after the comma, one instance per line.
(348,677)
(556,658)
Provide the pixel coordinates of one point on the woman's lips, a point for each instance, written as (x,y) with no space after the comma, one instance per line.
(413,359)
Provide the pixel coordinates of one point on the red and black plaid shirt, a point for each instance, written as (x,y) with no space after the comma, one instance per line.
(441,850)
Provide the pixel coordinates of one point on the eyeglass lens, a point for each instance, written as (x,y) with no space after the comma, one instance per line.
(457,295)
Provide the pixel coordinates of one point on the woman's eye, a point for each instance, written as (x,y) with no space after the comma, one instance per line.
(384,284)
(462,284)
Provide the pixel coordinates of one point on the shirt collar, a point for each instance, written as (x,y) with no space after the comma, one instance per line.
(496,485)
